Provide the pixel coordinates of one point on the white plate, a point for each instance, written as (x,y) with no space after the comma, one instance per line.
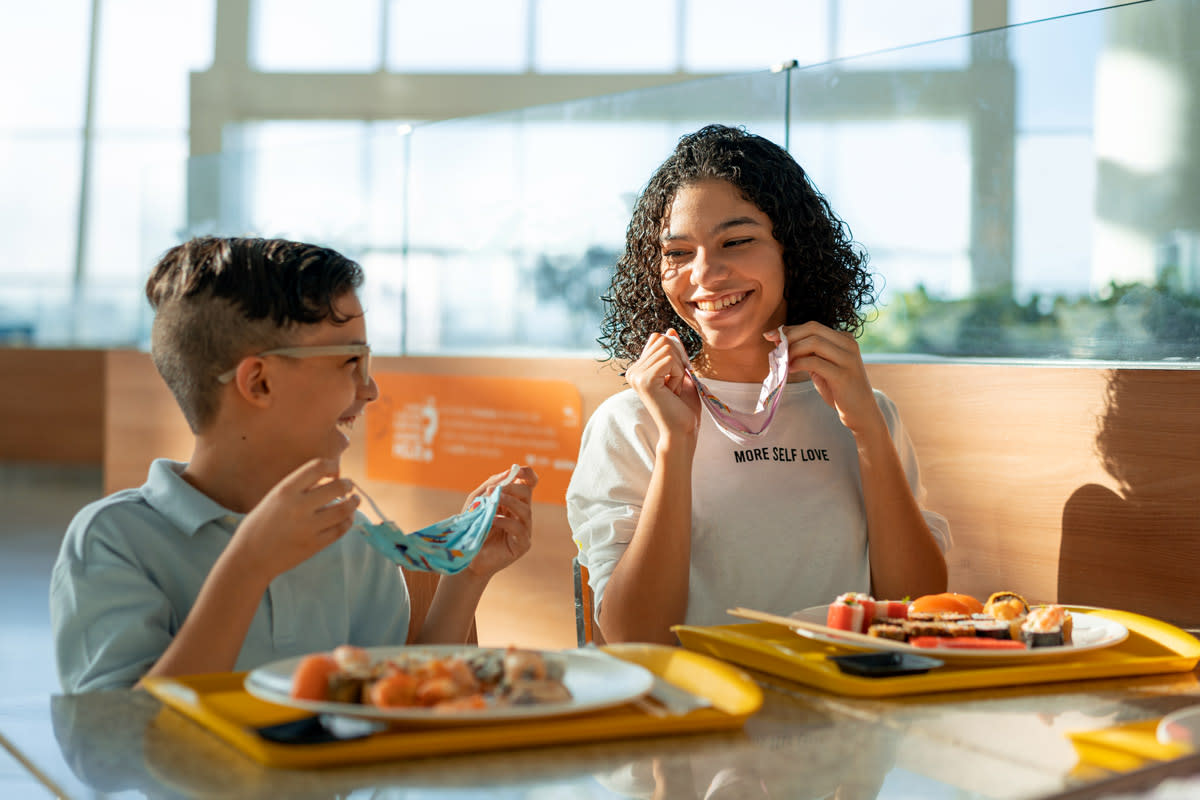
(595,680)
(1088,632)
(1180,727)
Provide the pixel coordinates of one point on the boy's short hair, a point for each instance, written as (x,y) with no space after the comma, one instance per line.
(218,300)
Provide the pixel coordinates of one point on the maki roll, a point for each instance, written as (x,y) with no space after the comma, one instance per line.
(942,628)
(1047,626)
(1006,606)
(885,630)
(890,610)
(987,628)
(853,611)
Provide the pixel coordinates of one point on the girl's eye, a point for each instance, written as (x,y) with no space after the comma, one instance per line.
(736,242)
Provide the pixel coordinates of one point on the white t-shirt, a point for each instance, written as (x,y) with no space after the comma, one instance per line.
(777,525)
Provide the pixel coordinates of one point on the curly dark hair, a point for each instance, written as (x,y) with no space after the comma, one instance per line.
(825,275)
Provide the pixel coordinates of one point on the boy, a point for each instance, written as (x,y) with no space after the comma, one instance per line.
(238,557)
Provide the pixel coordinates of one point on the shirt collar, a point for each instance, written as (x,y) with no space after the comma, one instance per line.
(185,506)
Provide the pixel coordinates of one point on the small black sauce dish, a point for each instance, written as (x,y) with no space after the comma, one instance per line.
(887,664)
(320,729)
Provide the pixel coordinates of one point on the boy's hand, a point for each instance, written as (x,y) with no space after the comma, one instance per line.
(512,531)
(301,515)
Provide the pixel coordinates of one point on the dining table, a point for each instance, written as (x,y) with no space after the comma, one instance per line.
(800,740)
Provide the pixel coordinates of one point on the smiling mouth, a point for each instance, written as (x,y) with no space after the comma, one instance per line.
(720,303)
(347,422)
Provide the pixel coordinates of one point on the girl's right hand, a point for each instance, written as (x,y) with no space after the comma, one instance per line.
(303,514)
(659,376)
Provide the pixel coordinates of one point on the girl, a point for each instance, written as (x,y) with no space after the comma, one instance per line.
(698,489)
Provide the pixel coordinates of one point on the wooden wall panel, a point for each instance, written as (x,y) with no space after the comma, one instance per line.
(51,406)
(531,603)
(1012,455)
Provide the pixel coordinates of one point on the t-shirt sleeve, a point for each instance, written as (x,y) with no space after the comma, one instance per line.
(109,621)
(608,486)
(938,525)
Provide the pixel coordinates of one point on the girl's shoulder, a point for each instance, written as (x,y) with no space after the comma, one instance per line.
(621,406)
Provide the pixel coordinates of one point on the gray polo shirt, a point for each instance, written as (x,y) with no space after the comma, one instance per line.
(132,564)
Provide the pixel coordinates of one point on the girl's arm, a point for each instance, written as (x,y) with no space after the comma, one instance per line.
(905,557)
(647,592)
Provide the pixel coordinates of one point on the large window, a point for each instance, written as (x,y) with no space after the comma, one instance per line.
(1026,191)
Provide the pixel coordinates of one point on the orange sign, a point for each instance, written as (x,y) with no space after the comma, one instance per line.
(453,431)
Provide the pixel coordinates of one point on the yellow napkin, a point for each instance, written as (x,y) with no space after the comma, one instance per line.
(1122,748)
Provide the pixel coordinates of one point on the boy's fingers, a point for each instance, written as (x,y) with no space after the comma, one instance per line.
(330,491)
(526,476)
(338,513)
(310,472)
(521,512)
(334,532)
(517,537)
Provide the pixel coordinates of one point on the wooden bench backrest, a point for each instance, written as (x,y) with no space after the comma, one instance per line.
(1073,484)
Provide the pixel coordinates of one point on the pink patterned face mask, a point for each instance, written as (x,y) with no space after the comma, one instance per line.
(740,426)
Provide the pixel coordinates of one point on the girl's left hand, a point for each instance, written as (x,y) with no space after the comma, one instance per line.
(833,361)
(511,535)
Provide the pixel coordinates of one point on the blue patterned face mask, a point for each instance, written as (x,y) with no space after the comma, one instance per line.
(446,547)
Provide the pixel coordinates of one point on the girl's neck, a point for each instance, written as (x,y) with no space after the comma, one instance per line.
(745,365)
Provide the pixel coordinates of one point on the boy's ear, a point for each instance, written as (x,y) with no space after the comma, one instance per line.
(252,382)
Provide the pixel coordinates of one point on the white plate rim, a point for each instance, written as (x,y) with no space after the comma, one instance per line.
(1116,633)
(1162,731)
(623,682)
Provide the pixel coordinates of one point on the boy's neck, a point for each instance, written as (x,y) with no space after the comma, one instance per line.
(236,483)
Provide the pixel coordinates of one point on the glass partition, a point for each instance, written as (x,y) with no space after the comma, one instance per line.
(1029,192)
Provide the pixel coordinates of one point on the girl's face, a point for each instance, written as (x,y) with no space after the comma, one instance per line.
(722,268)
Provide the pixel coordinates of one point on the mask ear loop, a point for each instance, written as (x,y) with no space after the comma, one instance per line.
(383,519)
(731,422)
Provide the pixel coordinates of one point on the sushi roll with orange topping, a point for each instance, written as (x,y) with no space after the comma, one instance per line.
(1047,626)
(1006,606)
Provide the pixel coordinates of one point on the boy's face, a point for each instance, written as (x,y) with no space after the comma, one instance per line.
(320,397)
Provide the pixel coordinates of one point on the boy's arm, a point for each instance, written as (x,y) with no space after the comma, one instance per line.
(457,596)
(300,516)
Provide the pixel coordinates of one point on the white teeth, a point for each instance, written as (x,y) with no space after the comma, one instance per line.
(724,302)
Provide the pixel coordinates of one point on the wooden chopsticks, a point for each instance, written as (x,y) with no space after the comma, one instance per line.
(792,622)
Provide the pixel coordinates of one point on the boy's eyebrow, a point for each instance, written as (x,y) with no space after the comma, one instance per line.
(720,227)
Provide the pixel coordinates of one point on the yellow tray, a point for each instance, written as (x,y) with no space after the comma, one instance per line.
(1153,647)
(219,703)
(1125,747)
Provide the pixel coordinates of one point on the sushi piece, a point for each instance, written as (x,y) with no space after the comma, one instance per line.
(916,628)
(1047,626)
(890,610)
(945,603)
(312,678)
(883,630)
(1006,606)
(988,628)
(852,611)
